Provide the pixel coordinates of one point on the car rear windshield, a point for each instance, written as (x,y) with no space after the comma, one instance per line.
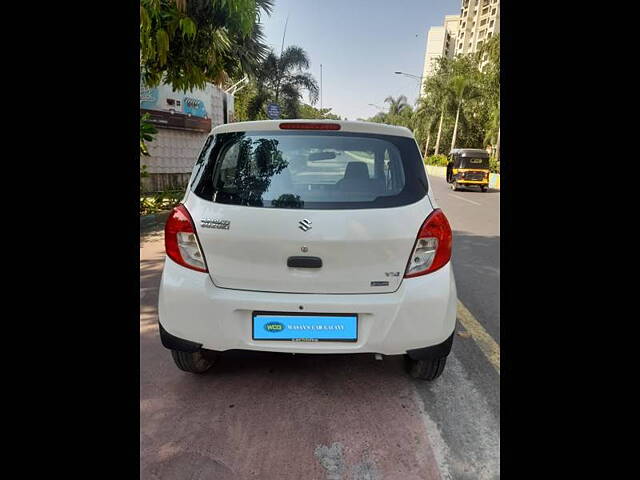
(310,170)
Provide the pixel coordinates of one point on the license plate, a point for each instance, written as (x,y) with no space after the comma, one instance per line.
(308,327)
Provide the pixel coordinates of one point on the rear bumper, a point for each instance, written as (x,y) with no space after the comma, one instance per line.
(473,182)
(194,312)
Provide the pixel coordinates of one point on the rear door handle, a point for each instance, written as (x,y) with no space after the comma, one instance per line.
(304,262)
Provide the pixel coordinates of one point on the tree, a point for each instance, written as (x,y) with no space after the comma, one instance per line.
(397,105)
(490,55)
(436,94)
(187,43)
(464,94)
(424,121)
(281,79)
(147,130)
(461,87)
(462,97)
(307,111)
(380,117)
(399,113)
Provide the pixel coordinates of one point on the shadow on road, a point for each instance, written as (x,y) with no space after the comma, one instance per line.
(476,260)
(475,190)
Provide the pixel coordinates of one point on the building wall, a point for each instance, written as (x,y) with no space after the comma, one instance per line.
(172,156)
(173,151)
(441,41)
(435,49)
(177,144)
(451,24)
(479,20)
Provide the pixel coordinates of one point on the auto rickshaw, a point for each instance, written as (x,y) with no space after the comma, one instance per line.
(468,167)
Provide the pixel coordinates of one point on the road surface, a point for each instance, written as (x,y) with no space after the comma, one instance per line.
(278,416)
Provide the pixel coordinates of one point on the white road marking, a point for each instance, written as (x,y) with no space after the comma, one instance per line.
(438,445)
(465,199)
(477,450)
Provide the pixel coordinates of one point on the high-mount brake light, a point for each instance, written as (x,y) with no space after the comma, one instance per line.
(309,126)
(181,240)
(432,249)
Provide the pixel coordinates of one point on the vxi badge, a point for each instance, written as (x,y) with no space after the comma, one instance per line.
(214,223)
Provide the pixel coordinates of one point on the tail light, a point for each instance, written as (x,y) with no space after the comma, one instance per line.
(181,241)
(432,249)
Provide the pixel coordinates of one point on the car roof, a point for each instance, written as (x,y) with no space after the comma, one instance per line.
(345,126)
(469,151)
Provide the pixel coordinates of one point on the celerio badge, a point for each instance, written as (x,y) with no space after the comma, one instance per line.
(215,223)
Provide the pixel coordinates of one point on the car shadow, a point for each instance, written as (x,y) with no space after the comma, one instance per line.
(477,190)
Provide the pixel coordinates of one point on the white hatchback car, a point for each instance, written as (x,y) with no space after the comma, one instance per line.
(307,236)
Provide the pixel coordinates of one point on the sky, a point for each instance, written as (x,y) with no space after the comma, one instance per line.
(360,43)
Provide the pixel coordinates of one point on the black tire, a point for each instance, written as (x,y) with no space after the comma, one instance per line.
(425,369)
(454,186)
(484,189)
(193,362)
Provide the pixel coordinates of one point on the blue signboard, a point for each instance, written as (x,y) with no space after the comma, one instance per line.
(273,111)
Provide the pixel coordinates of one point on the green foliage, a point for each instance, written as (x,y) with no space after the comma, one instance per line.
(470,83)
(397,105)
(307,111)
(494,165)
(282,79)
(147,130)
(160,201)
(241,103)
(436,160)
(400,113)
(188,43)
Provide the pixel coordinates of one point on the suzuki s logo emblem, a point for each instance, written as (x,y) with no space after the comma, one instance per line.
(304,225)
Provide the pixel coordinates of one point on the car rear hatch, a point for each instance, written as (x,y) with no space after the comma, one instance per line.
(309,212)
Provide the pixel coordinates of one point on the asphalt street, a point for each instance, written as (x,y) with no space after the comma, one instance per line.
(278,416)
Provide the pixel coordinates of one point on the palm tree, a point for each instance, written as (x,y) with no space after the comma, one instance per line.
(437,95)
(424,120)
(397,105)
(493,127)
(282,79)
(461,87)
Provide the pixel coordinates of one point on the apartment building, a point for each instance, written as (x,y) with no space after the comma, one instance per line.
(479,20)
(462,34)
(441,41)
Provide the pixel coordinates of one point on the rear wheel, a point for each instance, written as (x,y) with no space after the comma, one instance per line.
(425,369)
(454,186)
(484,189)
(193,362)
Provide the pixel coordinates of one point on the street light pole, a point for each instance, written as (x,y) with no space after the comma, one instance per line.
(320,89)
(415,77)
